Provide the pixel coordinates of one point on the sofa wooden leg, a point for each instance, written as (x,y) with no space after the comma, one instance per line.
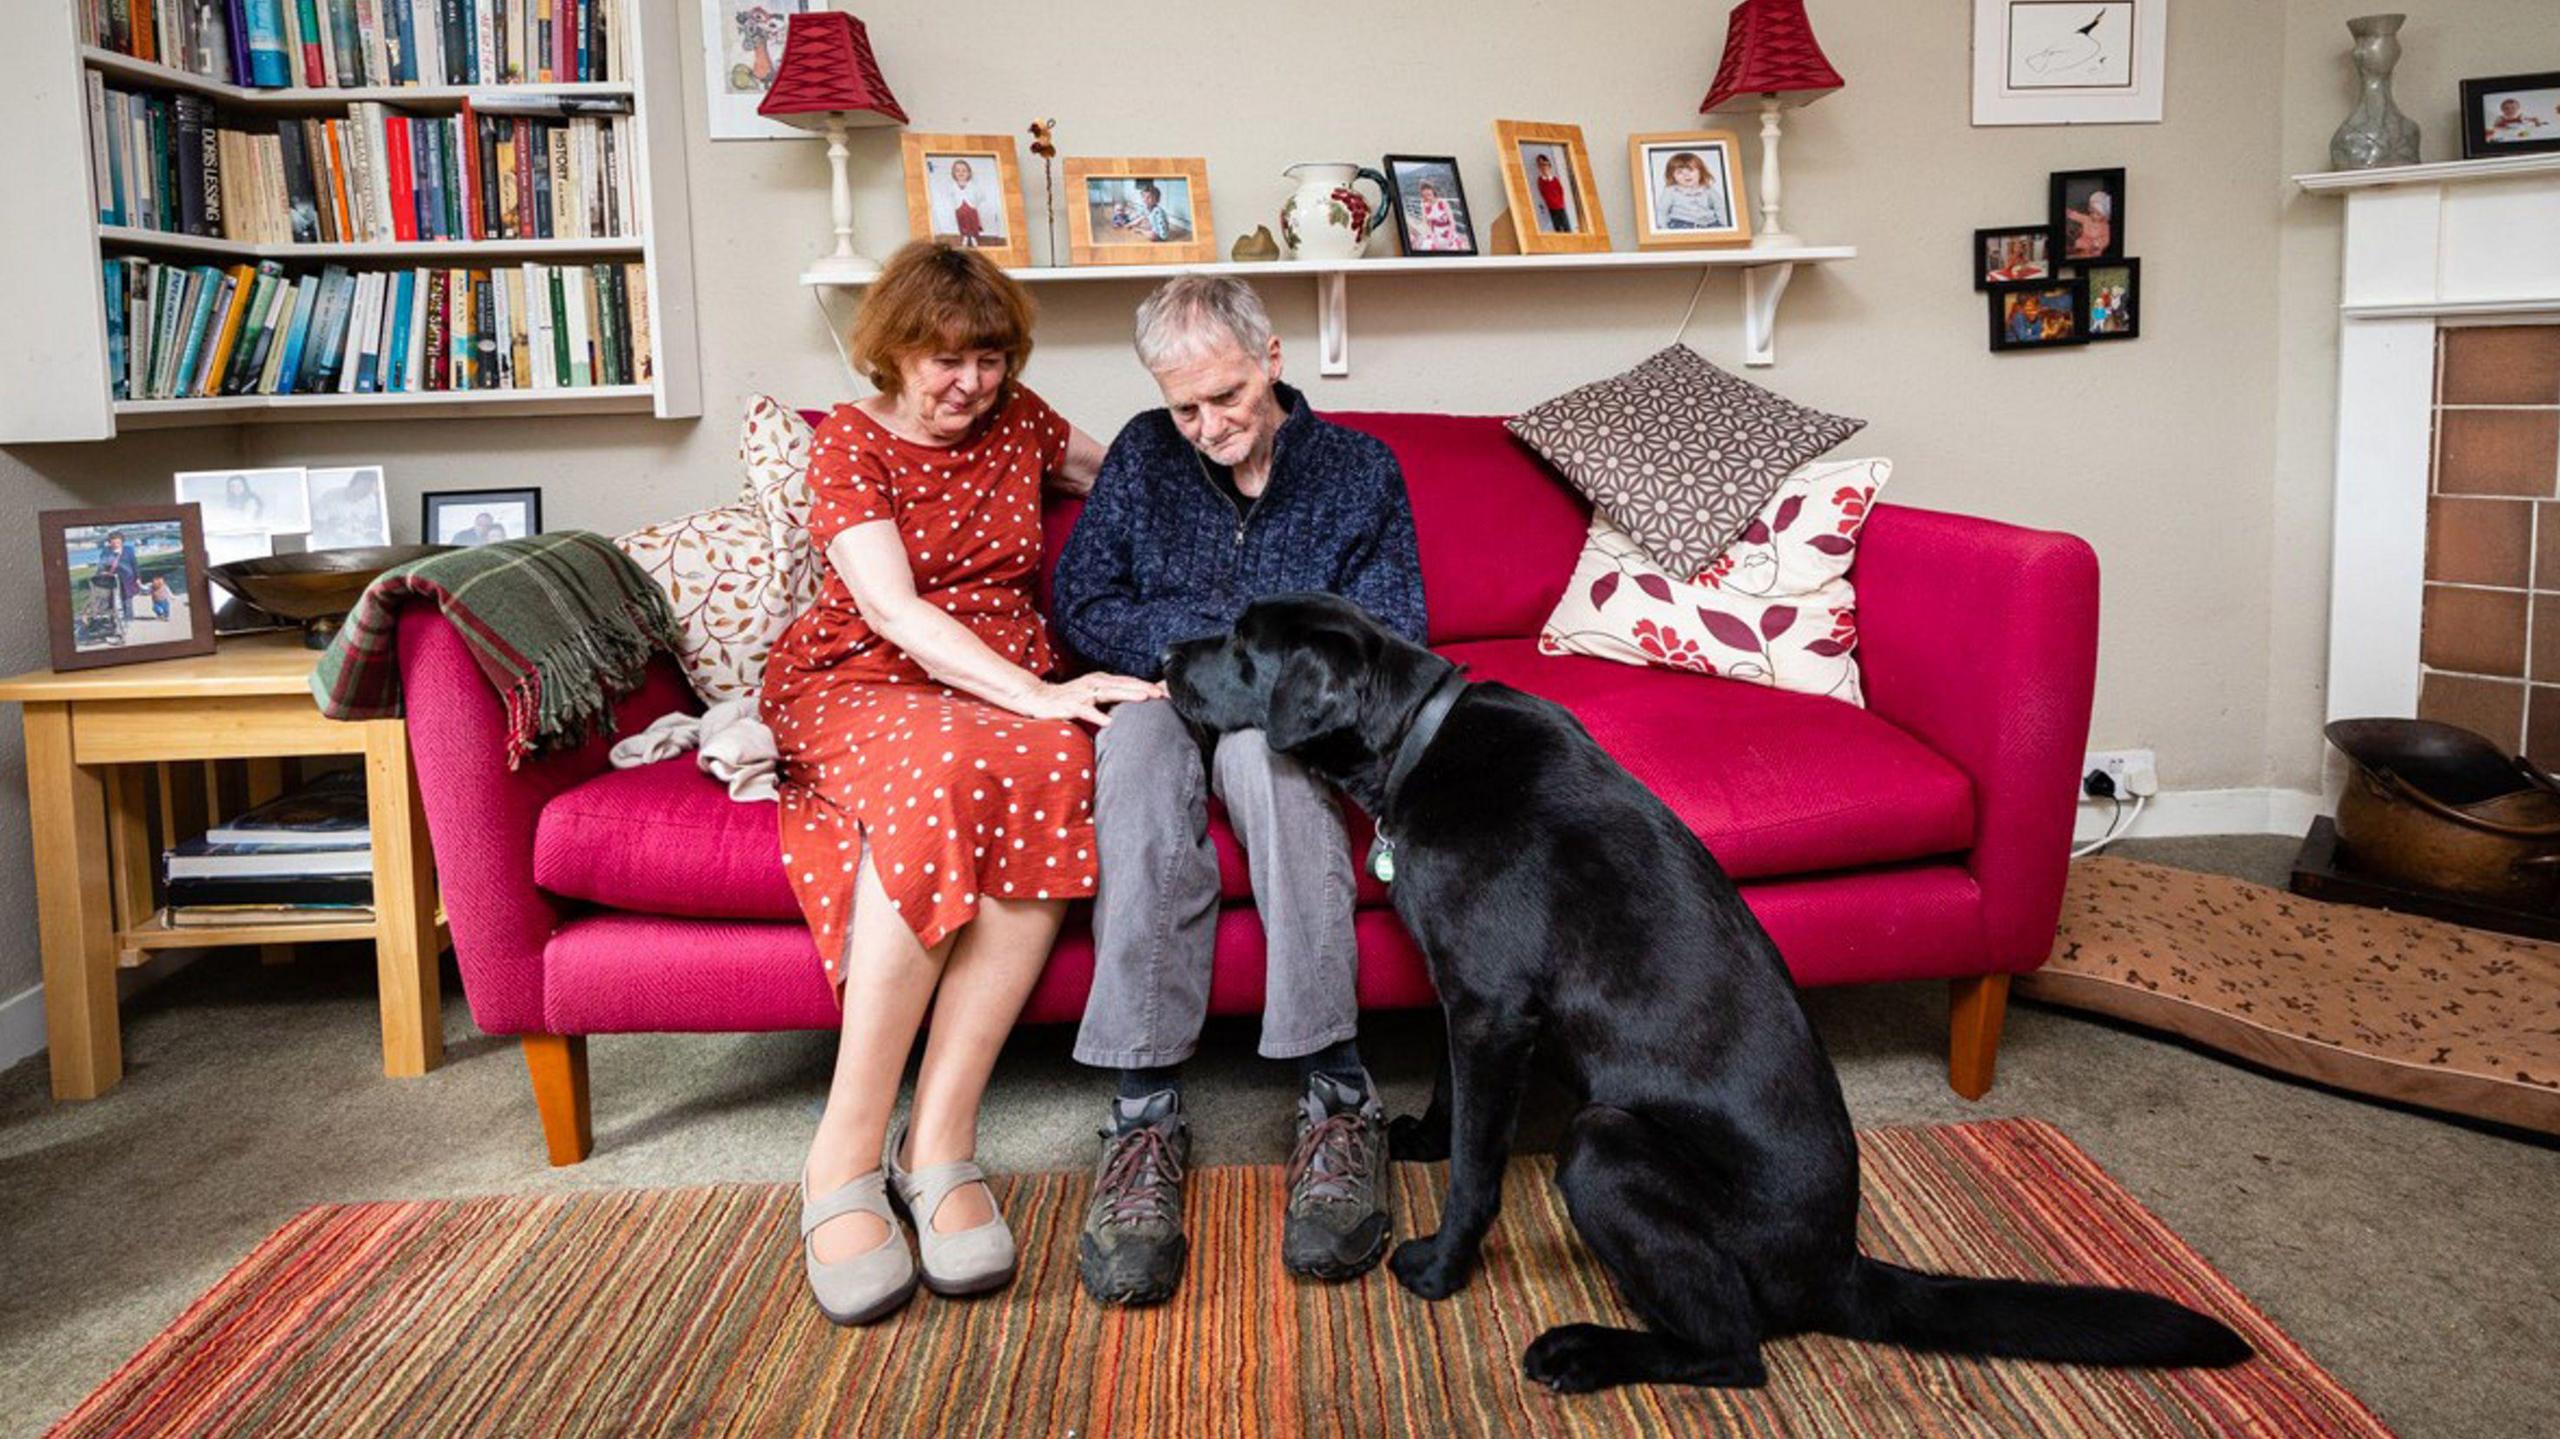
(1975,1008)
(558,1064)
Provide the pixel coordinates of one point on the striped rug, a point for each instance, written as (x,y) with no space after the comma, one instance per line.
(648,1312)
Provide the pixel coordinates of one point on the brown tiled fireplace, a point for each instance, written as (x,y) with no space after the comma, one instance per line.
(2489,648)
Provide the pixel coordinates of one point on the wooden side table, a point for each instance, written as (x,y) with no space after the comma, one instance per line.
(89,734)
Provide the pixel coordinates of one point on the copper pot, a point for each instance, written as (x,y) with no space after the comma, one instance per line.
(2435,806)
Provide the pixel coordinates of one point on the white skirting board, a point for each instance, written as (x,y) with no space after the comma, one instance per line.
(22,1014)
(2181,813)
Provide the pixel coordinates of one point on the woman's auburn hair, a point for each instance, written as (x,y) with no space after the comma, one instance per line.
(932,299)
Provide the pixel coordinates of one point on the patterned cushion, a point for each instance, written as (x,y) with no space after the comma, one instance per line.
(1775,609)
(1679,453)
(738,573)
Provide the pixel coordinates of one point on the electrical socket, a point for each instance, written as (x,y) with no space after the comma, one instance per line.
(2133,771)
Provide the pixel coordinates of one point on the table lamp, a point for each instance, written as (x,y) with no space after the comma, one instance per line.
(829,82)
(1769,56)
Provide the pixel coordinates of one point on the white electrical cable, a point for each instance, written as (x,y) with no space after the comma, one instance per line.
(2115,830)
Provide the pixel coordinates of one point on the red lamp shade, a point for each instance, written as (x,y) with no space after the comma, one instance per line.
(1769,49)
(828,76)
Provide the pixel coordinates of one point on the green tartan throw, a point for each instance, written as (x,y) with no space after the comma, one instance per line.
(563,625)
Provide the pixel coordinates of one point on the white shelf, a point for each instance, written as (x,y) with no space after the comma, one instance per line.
(2440,173)
(1765,273)
(418,252)
(253,409)
(303,97)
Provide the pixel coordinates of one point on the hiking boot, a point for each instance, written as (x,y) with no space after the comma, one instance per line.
(1132,1247)
(1337,1226)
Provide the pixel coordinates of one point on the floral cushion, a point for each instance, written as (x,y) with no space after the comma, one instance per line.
(1776,608)
(737,574)
(1678,453)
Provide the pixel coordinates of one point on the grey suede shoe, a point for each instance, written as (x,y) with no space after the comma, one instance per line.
(871,1285)
(967,1261)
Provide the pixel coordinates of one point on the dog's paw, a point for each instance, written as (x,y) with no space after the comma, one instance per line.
(1417,1139)
(1572,1358)
(1425,1267)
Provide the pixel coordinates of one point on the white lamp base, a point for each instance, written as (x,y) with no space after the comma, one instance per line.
(843,270)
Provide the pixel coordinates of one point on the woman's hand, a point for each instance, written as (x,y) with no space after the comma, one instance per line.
(1083,697)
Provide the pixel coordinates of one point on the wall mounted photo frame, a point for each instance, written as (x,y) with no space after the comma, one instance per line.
(2069,62)
(2040,314)
(2511,115)
(479,517)
(125,584)
(1688,189)
(741,51)
(966,191)
(2006,254)
(1139,211)
(1546,180)
(2115,299)
(2088,215)
(1430,201)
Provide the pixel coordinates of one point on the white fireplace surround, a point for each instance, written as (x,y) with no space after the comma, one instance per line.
(2466,243)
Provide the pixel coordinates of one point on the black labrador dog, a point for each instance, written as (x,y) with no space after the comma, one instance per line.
(1564,908)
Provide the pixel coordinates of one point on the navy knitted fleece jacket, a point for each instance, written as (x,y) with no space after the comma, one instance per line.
(1162,553)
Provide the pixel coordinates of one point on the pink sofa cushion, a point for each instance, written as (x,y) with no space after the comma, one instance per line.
(664,838)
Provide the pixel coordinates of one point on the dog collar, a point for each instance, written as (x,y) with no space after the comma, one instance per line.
(1419,732)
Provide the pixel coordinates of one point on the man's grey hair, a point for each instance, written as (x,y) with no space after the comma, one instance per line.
(1189,314)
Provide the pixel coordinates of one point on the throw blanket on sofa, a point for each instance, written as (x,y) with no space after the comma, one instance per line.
(563,625)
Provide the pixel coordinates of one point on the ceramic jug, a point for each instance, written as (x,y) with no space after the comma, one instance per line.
(1328,219)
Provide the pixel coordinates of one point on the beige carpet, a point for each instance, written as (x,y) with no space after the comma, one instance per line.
(2390,1005)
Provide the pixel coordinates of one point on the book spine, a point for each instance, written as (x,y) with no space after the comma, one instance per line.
(484,42)
(244,338)
(269,67)
(635,289)
(502,329)
(608,326)
(395,351)
(101,182)
(111,280)
(301,210)
(237,33)
(415,366)
(538,160)
(364,344)
(377,38)
(352,136)
(402,168)
(435,364)
(324,356)
(399,43)
(346,44)
(563,375)
(472,170)
(204,309)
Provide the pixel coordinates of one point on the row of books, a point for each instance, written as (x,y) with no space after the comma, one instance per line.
(303,857)
(339,44)
(163,162)
(176,332)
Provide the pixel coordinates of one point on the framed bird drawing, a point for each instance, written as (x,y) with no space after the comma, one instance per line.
(2069,62)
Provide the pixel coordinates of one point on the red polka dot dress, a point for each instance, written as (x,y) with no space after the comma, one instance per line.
(959,798)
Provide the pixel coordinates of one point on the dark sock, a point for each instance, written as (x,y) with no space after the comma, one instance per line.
(1139,1083)
(1336,1061)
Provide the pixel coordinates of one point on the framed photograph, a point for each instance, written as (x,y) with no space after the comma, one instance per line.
(1139,211)
(1432,217)
(1688,189)
(966,191)
(741,50)
(2511,115)
(2115,299)
(348,508)
(124,585)
(2039,314)
(2069,62)
(2012,253)
(271,501)
(2088,216)
(1546,177)
(480,517)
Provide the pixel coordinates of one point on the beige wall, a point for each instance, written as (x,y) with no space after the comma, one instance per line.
(2160,451)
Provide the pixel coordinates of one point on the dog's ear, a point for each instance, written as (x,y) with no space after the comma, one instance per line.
(1312,699)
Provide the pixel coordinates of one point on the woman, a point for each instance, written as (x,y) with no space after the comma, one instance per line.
(936,791)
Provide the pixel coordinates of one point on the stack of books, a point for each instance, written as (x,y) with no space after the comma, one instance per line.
(340,44)
(303,858)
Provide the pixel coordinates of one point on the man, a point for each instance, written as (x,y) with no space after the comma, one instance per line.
(1235,490)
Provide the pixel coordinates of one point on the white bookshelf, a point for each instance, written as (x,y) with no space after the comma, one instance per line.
(54,245)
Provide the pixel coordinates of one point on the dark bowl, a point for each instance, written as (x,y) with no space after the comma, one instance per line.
(318,585)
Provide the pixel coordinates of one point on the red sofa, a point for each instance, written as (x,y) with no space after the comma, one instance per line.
(1924,837)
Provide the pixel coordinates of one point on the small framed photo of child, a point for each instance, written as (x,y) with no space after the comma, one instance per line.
(1546,178)
(125,584)
(1431,205)
(2115,299)
(2088,215)
(2040,314)
(1688,189)
(2012,253)
(966,191)
(1139,211)
(2511,115)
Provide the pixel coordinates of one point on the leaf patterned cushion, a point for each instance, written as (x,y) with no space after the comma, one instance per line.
(1777,608)
(1678,453)
(737,574)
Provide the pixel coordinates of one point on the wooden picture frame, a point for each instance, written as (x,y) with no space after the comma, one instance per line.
(2061,203)
(522,500)
(1649,160)
(2124,320)
(89,621)
(2482,98)
(1106,224)
(2036,266)
(1433,170)
(2068,295)
(935,210)
(1586,229)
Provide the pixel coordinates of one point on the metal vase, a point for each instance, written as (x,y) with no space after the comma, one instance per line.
(2375,133)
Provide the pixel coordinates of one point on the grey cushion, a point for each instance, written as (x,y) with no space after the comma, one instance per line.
(1678,453)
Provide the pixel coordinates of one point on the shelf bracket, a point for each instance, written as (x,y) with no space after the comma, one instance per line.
(1761,287)
(1333,323)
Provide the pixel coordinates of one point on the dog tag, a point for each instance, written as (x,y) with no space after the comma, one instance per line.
(1382,859)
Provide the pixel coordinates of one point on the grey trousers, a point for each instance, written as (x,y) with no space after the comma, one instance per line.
(1155,914)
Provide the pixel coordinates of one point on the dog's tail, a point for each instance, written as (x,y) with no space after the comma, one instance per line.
(2015,1319)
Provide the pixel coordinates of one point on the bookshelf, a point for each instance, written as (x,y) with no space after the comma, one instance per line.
(57,245)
